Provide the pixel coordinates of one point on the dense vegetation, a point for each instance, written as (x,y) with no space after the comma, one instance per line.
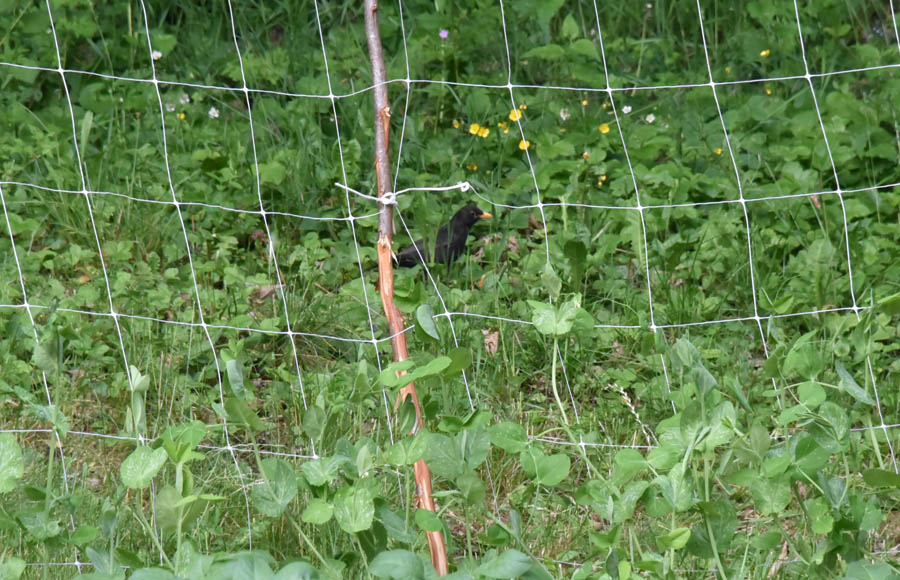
(726,393)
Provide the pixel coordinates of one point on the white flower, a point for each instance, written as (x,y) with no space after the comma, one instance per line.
(184,99)
(156,55)
(626,109)
(170,107)
(213,113)
(564,114)
(650,117)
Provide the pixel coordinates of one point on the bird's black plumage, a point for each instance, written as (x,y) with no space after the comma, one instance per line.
(450,241)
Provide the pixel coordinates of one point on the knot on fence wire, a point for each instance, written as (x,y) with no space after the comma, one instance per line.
(388,198)
(463,186)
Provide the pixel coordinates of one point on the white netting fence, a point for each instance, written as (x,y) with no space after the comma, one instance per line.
(180,308)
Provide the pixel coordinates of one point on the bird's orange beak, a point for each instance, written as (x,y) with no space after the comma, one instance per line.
(485,215)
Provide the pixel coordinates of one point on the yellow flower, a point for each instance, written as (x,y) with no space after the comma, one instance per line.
(584,102)
(605,105)
(604,128)
(523,145)
(600,182)
(474,128)
(505,130)
(768,91)
(602,178)
(765,53)
(585,155)
(484,132)
(472,167)
(501,124)
(718,150)
(523,106)
(728,69)
(515,114)
(455,124)
(180,116)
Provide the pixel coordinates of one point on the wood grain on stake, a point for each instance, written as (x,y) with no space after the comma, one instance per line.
(386,269)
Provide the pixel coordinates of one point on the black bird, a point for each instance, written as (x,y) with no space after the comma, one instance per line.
(449,244)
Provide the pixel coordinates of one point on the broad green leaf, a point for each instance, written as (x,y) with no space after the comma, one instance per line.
(278,489)
(354,508)
(682,489)
(12,463)
(547,470)
(408,450)
(890,305)
(398,565)
(863,570)
(83,535)
(472,488)
(881,478)
(570,28)
(323,470)
(428,521)
(51,414)
(775,466)
(811,394)
(624,507)
(298,571)
(721,425)
(551,281)
(553,320)
(241,414)
(460,359)
(444,456)
(141,466)
(584,47)
(425,319)
(394,525)
(235,377)
(509,564)
(139,382)
(605,541)
(803,359)
(317,511)
(771,496)
(851,386)
(475,444)
(722,519)
(665,456)
(674,540)
(44,358)
(807,453)
(510,437)
(180,440)
(543,316)
(314,422)
(40,524)
(433,367)
(820,517)
(152,574)
(546,52)
(11,567)
(628,463)
(271,173)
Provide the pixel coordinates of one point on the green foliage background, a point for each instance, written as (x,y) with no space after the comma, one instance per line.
(781,458)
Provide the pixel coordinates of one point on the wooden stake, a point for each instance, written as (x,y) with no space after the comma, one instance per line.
(436,543)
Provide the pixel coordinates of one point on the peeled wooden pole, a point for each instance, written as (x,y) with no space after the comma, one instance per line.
(386,268)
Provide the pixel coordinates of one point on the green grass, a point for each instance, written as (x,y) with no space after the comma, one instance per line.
(775,464)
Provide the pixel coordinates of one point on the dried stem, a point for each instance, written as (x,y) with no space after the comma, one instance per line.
(386,269)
